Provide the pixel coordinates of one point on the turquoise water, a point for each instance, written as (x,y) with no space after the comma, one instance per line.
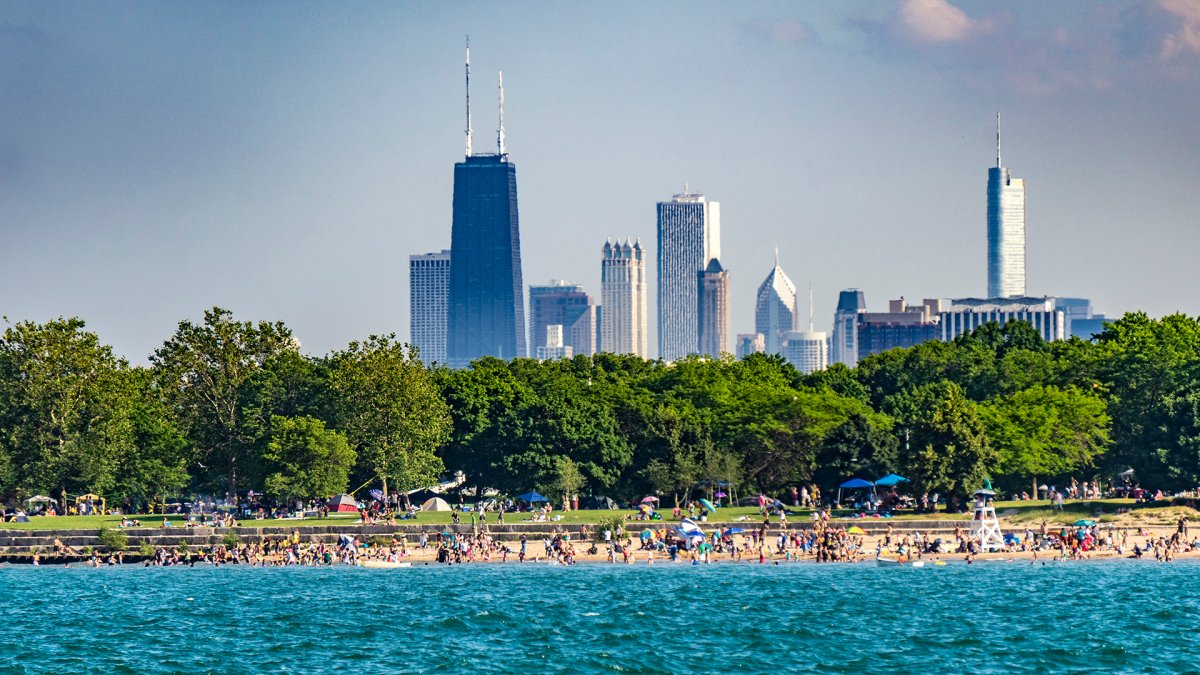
(988,617)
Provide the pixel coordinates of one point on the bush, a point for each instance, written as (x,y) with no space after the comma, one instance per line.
(230,540)
(146,549)
(610,523)
(183,547)
(113,540)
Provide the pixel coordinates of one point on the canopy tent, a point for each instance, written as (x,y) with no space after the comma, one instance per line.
(83,500)
(890,480)
(39,499)
(343,504)
(1127,473)
(855,484)
(531,497)
(599,503)
(435,504)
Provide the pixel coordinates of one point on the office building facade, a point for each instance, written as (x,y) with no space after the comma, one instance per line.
(900,326)
(807,351)
(567,305)
(712,326)
(844,343)
(1005,230)
(487,298)
(775,308)
(689,235)
(428,304)
(750,343)
(623,298)
(966,314)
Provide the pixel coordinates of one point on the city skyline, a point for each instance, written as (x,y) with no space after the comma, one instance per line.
(156,161)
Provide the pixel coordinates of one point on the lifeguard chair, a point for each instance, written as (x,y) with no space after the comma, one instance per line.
(985,526)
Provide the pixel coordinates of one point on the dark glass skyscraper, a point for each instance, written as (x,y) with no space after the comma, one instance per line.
(487,303)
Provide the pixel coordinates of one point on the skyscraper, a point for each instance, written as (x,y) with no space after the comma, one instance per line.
(567,305)
(487,298)
(851,303)
(774,308)
(623,297)
(1005,230)
(689,235)
(712,326)
(749,343)
(428,300)
(807,350)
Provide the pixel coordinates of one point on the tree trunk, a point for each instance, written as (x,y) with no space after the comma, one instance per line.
(233,480)
(1035,488)
(385,492)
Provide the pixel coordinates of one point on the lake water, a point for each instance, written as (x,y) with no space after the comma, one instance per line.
(987,617)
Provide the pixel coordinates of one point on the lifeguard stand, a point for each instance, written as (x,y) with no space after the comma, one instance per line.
(985,526)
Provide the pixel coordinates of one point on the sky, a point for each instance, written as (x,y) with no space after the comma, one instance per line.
(283,159)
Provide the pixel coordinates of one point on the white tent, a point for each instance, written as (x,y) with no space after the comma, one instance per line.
(435,504)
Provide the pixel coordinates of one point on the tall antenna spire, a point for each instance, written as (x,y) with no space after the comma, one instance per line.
(468,96)
(777,256)
(998,164)
(810,308)
(500,133)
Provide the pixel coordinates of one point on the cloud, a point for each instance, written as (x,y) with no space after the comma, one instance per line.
(1186,35)
(936,21)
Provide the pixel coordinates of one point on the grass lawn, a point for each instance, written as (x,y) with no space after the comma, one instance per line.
(1015,513)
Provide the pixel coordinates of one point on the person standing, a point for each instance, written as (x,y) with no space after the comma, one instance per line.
(795,497)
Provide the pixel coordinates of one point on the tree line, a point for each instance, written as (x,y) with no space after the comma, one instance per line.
(227,406)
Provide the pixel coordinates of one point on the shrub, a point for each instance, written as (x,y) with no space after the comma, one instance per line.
(146,549)
(113,540)
(230,540)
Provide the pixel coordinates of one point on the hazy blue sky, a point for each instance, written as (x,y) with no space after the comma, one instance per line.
(283,159)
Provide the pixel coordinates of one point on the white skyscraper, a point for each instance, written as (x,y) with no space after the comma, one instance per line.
(807,350)
(1005,230)
(429,301)
(623,298)
(689,235)
(774,308)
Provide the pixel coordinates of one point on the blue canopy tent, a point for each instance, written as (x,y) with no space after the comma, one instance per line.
(531,497)
(855,484)
(890,480)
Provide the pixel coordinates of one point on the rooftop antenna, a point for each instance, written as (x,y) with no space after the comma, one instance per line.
(777,256)
(500,133)
(810,308)
(998,164)
(468,96)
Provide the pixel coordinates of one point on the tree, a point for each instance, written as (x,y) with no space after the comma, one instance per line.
(1045,431)
(568,481)
(157,463)
(857,447)
(304,459)
(950,451)
(64,409)
(390,410)
(203,371)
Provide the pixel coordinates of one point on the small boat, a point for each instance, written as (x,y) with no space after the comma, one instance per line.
(892,562)
(382,564)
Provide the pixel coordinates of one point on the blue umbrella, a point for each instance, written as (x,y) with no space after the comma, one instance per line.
(708,505)
(531,497)
(734,530)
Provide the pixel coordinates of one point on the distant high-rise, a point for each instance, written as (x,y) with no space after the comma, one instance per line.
(712,325)
(623,297)
(1005,230)
(429,299)
(750,343)
(567,305)
(807,350)
(487,299)
(774,308)
(552,347)
(900,326)
(689,235)
(851,303)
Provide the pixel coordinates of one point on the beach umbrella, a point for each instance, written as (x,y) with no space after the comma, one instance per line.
(38,499)
(647,534)
(734,530)
(1084,523)
(531,497)
(708,505)
(855,530)
(720,495)
(650,499)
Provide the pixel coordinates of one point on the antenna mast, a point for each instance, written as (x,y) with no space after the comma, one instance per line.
(810,308)
(500,133)
(468,96)
(998,164)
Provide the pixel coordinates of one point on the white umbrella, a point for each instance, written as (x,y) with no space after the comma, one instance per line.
(39,499)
